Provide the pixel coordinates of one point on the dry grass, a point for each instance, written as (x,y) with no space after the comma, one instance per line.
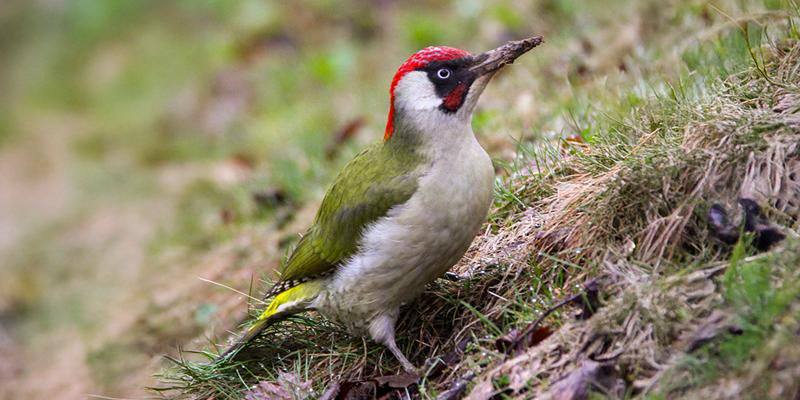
(739,142)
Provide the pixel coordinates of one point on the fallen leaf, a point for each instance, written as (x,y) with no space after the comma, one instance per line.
(397,381)
(503,343)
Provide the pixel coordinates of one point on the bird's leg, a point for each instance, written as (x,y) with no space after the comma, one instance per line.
(381,328)
(407,365)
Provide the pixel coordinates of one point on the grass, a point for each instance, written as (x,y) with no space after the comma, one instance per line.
(627,208)
(759,294)
(690,151)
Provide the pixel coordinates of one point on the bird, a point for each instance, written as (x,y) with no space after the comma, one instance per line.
(404,210)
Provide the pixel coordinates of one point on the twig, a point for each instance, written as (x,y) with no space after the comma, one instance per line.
(518,343)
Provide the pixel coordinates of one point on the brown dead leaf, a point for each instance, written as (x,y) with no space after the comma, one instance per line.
(397,381)
(513,338)
(504,343)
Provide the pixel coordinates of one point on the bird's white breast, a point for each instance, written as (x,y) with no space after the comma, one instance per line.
(417,241)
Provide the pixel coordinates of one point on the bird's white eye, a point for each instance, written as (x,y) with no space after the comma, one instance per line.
(443,73)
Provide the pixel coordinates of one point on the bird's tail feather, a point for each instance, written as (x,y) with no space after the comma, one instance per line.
(291,301)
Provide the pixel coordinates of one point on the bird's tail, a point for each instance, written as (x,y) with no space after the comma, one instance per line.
(291,301)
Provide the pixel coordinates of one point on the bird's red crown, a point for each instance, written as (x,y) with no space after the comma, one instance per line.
(418,60)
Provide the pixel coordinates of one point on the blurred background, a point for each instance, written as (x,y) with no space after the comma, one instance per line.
(148,147)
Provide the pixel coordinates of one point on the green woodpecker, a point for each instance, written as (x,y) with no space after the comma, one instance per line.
(404,210)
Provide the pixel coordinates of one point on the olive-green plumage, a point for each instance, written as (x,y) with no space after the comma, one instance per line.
(380,177)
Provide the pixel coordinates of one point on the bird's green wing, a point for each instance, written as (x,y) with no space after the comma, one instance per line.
(371,184)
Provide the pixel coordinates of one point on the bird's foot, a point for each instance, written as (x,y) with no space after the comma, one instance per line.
(409,368)
(407,365)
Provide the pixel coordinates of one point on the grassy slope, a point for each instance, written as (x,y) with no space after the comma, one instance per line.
(145,188)
(626,208)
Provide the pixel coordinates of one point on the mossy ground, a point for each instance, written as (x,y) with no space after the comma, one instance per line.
(187,139)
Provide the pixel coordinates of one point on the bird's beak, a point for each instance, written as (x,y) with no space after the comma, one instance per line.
(495,59)
(484,66)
